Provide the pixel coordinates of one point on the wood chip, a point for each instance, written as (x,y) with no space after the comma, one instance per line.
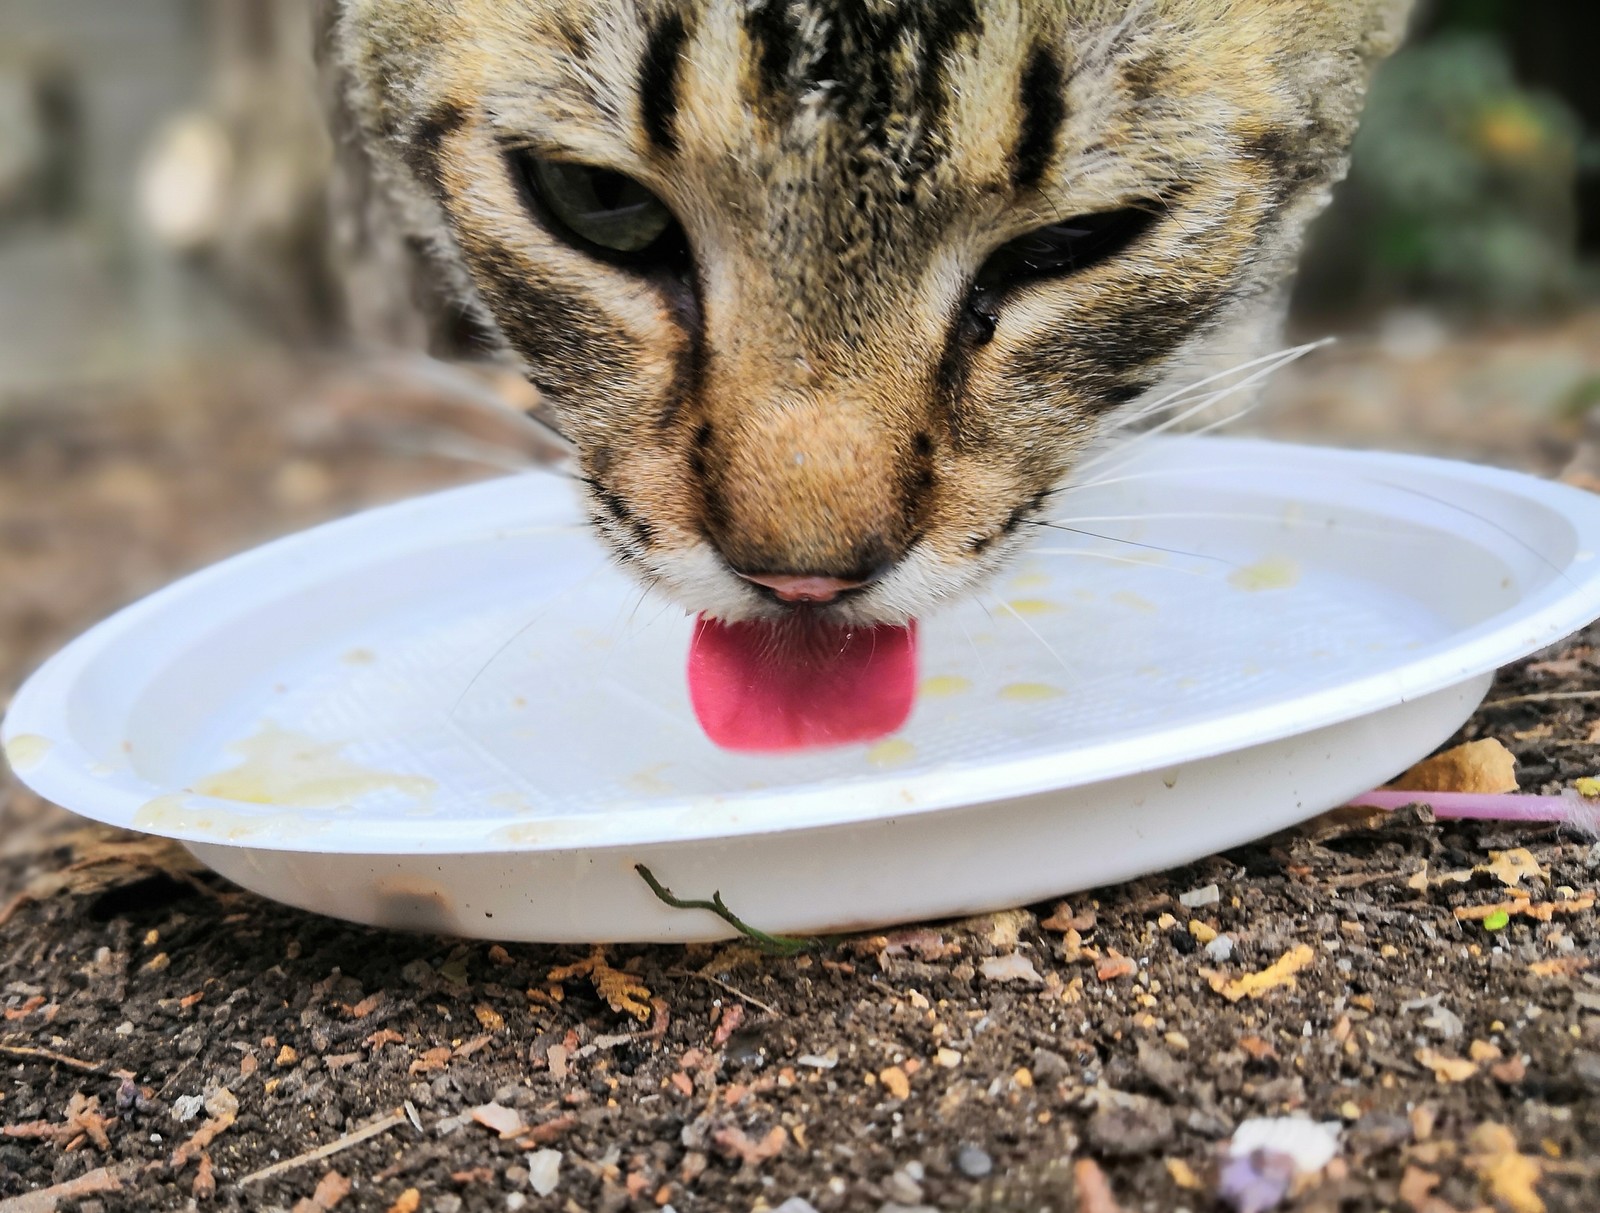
(1183,1174)
(1416,1188)
(409,1202)
(204,1186)
(491,1019)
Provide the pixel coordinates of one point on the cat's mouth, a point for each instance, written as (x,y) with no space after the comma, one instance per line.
(801,681)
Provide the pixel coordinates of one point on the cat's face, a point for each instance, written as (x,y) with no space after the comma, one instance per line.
(843,288)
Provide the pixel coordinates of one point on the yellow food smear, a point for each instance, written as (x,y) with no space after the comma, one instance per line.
(1029,692)
(1030,581)
(359,657)
(891,753)
(941,685)
(1129,599)
(1033,606)
(27,750)
(174,814)
(1273,573)
(648,782)
(284,768)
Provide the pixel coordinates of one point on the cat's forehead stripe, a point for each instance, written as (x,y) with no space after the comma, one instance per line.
(658,81)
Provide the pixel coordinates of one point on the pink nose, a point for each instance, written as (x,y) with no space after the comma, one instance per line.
(804,589)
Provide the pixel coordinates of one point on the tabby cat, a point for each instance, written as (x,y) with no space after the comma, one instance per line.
(830,294)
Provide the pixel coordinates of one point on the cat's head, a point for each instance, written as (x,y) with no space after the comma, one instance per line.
(840,289)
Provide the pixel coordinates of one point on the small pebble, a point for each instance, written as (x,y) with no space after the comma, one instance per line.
(1195,898)
(544,1171)
(904,1189)
(516,1201)
(186,1107)
(448,1203)
(973,1162)
(1220,948)
(796,1204)
(417,972)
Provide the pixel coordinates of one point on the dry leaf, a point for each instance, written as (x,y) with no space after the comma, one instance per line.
(105,859)
(491,1019)
(1507,1174)
(622,993)
(1483,766)
(332,1189)
(1482,1050)
(1253,985)
(1445,1068)
(1510,867)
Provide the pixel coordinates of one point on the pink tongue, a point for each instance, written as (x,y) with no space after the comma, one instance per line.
(765,687)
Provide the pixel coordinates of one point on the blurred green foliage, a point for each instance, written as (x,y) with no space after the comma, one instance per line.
(1463,190)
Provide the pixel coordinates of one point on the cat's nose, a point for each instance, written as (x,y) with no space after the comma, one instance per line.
(803,588)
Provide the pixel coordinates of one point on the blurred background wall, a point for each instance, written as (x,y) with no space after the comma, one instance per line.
(163,164)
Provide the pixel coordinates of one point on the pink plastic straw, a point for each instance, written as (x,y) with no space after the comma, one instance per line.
(1480,806)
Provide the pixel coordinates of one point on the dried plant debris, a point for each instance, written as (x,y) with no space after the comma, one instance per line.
(623,993)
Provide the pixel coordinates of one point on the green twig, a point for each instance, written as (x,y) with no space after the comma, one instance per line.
(778,945)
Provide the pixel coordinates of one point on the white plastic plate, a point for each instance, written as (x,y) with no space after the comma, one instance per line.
(453,715)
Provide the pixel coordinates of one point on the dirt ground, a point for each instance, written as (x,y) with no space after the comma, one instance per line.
(166,1038)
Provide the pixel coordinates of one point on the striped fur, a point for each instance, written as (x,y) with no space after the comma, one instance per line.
(808,403)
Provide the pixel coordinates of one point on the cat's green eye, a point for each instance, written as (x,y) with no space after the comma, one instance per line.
(604,209)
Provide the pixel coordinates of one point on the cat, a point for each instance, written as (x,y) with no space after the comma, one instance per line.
(829,295)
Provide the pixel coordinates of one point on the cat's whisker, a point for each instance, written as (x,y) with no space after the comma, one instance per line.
(467,450)
(1179,395)
(1143,437)
(1132,543)
(538,617)
(1032,631)
(1258,367)
(462,388)
(1277,519)
(1140,562)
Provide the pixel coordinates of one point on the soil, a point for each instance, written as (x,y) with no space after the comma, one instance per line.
(166,1037)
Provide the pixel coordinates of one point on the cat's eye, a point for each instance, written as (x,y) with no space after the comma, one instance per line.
(1068,247)
(598,209)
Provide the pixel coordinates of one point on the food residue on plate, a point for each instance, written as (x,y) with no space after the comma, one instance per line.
(1029,692)
(648,782)
(1030,580)
(27,750)
(295,771)
(1273,573)
(177,814)
(894,752)
(359,657)
(1033,606)
(943,685)
(1134,601)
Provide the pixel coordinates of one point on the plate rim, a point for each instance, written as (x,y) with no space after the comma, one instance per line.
(1567,602)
